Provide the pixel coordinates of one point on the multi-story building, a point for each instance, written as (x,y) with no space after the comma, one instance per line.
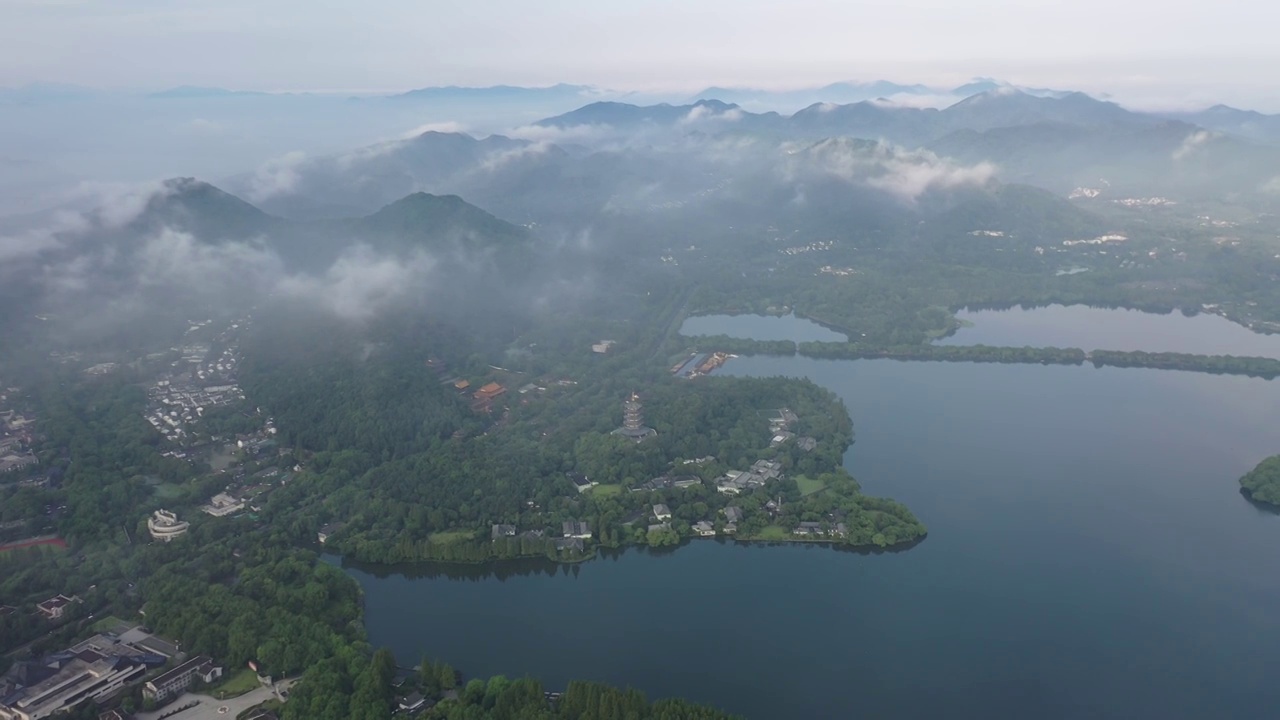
(176,681)
(166,526)
(36,690)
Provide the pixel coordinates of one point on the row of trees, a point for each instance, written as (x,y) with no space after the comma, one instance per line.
(1259,367)
(951,353)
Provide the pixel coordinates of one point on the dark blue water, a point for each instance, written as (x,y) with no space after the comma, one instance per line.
(1089,556)
(1089,328)
(761,327)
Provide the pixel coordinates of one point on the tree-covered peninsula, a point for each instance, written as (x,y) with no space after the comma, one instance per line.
(1262,484)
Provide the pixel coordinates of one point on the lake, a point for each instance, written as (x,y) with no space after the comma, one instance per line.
(1089,556)
(1089,328)
(761,327)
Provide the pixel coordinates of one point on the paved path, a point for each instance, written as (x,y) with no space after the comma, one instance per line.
(674,323)
(209,706)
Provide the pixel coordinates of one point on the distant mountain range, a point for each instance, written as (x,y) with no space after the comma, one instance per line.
(189,92)
(1057,142)
(520,100)
(626,116)
(1003,107)
(504,93)
(703,168)
(844,93)
(1243,123)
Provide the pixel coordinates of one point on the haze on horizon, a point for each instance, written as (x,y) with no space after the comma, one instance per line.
(1158,55)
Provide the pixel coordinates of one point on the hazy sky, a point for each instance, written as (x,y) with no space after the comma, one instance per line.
(1155,49)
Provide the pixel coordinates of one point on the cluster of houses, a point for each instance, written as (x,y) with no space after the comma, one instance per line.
(760,474)
(255,443)
(500,532)
(818,246)
(817,529)
(488,396)
(15,436)
(574,534)
(780,428)
(703,528)
(98,669)
(484,398)
(15,455)
(179,401)
(245,491)
(199,380)
(218,368)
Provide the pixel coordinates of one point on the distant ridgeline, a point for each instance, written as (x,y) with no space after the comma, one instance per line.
(1259,367)
(1262,484)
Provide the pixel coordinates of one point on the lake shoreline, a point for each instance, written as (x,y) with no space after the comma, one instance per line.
(1071,501)
(506,567)
(602,552)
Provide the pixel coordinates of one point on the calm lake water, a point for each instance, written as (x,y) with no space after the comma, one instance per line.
(1089,328)
(761,327)
(1089,556)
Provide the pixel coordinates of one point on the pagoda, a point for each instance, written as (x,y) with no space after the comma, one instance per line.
(633,426)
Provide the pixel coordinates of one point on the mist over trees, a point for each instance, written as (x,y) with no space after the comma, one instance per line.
(434,332)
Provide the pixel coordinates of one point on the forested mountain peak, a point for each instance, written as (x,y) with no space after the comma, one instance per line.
(423,214)
(618,114)
(1007,106)
(203,210)
(440,138)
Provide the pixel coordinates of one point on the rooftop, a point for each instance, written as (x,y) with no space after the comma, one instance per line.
(55,602)
(176,673)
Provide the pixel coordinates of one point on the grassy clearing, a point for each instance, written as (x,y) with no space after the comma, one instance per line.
(235,685)
(606,490)
(452,536)
(772,532)
(809,486)
(108,623)
(168,491)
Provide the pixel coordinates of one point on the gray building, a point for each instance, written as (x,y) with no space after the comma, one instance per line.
(174,682)
(577,529)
